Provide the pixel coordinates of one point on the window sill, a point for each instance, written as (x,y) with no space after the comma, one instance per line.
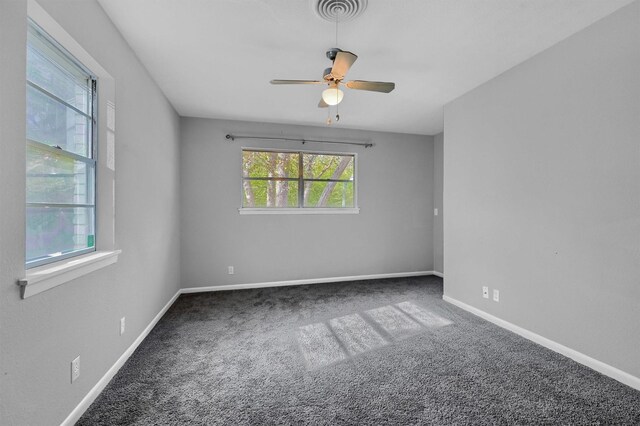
(49,276)
(354,210)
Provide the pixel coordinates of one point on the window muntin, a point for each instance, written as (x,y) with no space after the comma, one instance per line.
(284,179)
(61,165)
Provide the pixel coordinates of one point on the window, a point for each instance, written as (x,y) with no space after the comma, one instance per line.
(61,164)
(70,178)
(299,180)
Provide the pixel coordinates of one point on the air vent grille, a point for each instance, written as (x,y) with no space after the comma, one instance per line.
(340,10)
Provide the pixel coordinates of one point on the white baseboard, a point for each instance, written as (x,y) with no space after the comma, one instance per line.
(306,281)
(579,357)
(437,274)
(102,383)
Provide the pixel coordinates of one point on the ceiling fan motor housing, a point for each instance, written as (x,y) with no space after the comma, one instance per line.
(331,53)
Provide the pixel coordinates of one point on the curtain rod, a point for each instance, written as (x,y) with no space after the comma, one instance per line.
(234,137)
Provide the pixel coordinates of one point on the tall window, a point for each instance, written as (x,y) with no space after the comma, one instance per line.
(61,129)
(283,179)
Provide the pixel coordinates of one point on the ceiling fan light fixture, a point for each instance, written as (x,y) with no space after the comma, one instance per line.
(332,96)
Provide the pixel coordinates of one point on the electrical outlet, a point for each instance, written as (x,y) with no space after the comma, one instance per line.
(485,292)
(435,212)
(75,369)
(122,325)
(496,295)
(230,270)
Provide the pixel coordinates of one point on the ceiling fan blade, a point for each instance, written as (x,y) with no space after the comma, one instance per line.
(297,82)
(372,86)
(341,64)
(322,104)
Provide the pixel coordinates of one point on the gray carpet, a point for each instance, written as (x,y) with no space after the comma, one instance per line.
(384,352)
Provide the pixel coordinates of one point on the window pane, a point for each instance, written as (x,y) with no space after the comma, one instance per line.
(270,193)
(52,123)
(322,166)
(53,231)
(58,179)
(270,164)
(328,194)
(56,73)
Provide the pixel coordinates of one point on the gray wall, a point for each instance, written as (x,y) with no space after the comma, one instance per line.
(438,193)
(40,336)
(542,193)
(392,233)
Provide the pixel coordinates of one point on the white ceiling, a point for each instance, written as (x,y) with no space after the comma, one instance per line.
(214,58)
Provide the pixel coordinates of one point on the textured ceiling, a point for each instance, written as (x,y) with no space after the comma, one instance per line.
(214,58)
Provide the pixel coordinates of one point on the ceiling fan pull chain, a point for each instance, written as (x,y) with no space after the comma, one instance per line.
(338,104)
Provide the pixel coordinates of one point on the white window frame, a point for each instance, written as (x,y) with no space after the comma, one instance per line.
(45,277)
(300,209)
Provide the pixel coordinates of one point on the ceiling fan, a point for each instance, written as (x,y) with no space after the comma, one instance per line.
(334,76)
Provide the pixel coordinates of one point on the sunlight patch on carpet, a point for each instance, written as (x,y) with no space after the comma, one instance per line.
(394,322)
(326,343)
(319,346)
(356,334)
(424,317)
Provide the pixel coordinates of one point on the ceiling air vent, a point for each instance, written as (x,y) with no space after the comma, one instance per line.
(338,10)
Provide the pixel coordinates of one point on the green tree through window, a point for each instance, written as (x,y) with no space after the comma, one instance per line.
(281,179)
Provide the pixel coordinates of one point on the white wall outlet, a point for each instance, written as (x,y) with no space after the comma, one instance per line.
(496,295)
(435,212)
(122,325)
(485,292)
(230,270)
(75,369)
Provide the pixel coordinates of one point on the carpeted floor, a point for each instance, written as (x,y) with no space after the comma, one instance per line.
(384,352)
